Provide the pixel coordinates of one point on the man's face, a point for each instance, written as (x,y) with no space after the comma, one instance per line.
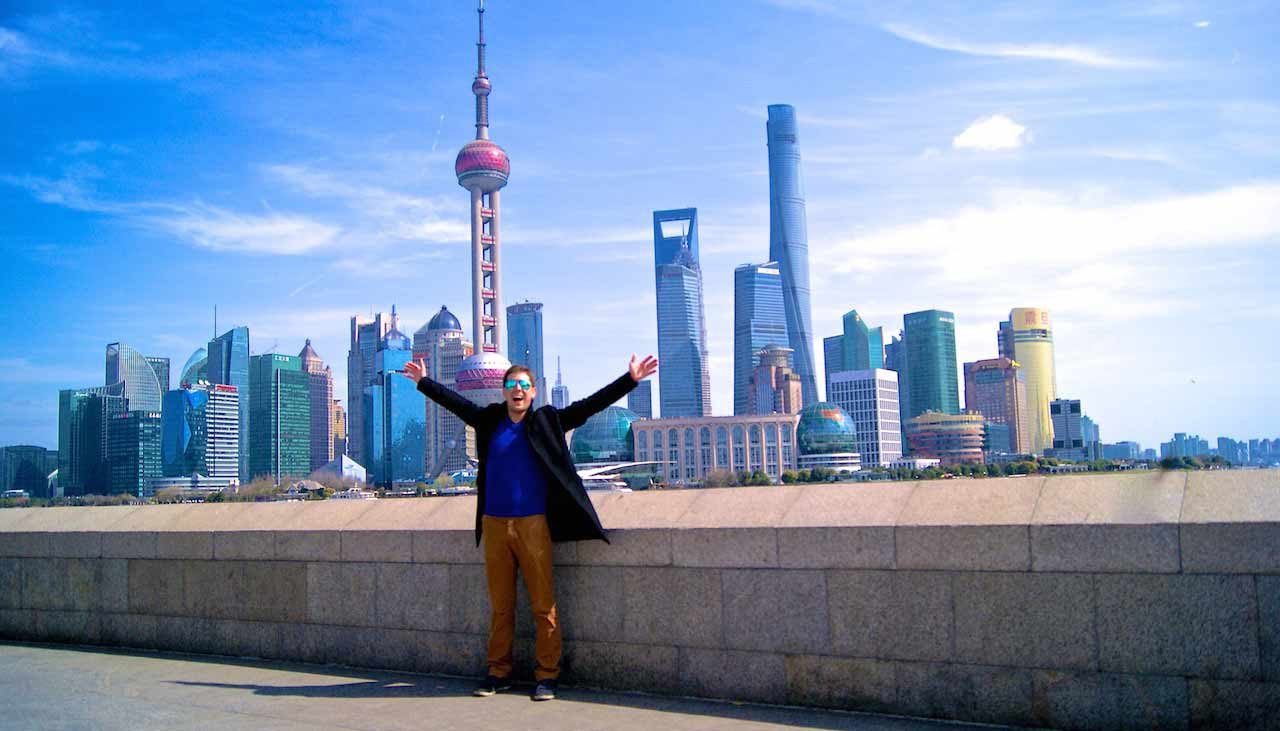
(518,391)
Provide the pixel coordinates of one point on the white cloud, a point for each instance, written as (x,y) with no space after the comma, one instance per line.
(996,132)
(1203,24)
(1078,55)
(222,230)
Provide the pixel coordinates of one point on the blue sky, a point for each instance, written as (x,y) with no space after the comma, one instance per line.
(1118,164)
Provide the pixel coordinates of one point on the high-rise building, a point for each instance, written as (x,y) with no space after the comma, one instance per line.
(483,168)
(559,394)
(524,344)
(200,432)
(280,410)
(1068,426)
(1027,337)
(951,438)
(895,359)
(141,384)
(789,239)
(442,347)
(366,337)
(684,388)
(394,407)
(857,348)
(930,341)
(83,415)
(774,388)
(997,389)
(320,387)
(758,322)
(133,452)
(1184,445)
(640,400)
(228,364)
(27,467)
(196,368)
(339,430)
(1122,450)
(161,368)
(832,359)
(870,398)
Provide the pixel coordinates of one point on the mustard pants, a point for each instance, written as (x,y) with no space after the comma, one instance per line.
(524,543)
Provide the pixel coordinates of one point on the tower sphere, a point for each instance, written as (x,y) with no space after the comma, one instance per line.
(482,164)
(481,86)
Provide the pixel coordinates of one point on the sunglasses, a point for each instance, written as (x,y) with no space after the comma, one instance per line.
(524,383)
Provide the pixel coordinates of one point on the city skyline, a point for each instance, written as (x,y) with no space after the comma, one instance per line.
(1020,159)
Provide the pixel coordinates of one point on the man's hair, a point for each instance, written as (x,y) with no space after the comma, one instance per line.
(518,369)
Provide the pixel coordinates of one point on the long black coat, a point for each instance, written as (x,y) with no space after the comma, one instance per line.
(570,514)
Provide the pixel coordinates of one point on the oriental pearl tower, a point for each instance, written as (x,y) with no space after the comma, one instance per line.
(482,167)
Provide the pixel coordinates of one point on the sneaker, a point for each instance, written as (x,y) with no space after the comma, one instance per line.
(545,691)
(490,685)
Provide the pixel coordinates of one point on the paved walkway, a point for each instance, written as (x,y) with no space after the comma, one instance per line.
(68,687)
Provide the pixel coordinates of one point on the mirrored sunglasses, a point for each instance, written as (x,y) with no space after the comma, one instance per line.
(523,383)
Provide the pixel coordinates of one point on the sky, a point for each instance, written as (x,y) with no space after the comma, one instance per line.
(291,163)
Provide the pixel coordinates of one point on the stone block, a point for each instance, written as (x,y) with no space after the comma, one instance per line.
(1230,704)
(214,589)
(244,545)
(156,587)
(1109,701)
(112,578)
(1201,626)
(446,546)
(81,583)
(1232,496)
(621,666)
(10,583)
(647,509)
(964,548)
(1269,626)
(128,545)
(469,600)
(342,594)
(964,692)
(899,615)
(836,548)
(238,638)
(413,596)
(1231,548)
(1135,498)
(589,602)
(75,544)
(275,591)
(1106,548)
(308,545)
(186,634)
(1025,620)
(24,545)
(44,583)
(743,548)
(184,545)
(1007,501)
(566,553)
(733,507)
(775,610)
(129,630)
(844,504)
(78,627)
(377,647)
(744,676)
(305,642)
(451,653)
(17,624)
(841,682)
(672,606)
(377,545)
(628,548)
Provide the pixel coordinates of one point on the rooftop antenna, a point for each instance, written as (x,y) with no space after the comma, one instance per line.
(558,383)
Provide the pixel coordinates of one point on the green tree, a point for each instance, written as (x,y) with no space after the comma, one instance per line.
(789,477)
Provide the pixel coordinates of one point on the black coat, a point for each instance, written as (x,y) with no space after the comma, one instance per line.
(570,513)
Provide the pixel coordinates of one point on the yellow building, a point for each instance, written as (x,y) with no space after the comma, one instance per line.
(1027,337)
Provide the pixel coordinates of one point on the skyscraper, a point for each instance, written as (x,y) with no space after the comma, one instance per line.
(228,364)
(870,398)
(394,407)
(559,394)
(442,346)
(320,387)
(1068,424)
(895,359)
(930,342)
(133,452)
(483,168)
(196,368)
(640,400)
(758,322)
(684,388)
(161,368)
(774,388)
(524,344)
(857,348)
(339,429)
(141,384)
(789,239)
(997,389)
(280,408)
(1029,333)
(83,415)
(366,338)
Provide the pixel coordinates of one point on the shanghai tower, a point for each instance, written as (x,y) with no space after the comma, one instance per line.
(789,240)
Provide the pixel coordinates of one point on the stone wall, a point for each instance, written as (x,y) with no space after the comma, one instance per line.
(1133,600)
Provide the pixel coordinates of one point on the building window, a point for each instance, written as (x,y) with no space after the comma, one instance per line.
(722,448)
(755,448)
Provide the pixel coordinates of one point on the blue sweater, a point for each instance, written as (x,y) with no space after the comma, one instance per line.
(516,483)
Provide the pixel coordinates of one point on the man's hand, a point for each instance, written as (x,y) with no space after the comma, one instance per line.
(642,369)
(415,370)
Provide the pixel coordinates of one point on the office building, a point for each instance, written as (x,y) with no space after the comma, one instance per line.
(997,389)
(367,336)
(280,410)
(396,445)
(339,429)
(1027,337)
(83,415)
(870,398)
(949,438)
(759,321)
(524,345)
(27,467)
(133,452)
(200,432)
(691,447)
(789,239)
(320,390)
(138,374)
(774,388)
(684,386)
(640,400)
(930,342)
(228,364)
(1184,445)
(442,346)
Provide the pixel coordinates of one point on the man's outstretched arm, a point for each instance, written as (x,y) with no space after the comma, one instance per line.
(416,371)
(576,414)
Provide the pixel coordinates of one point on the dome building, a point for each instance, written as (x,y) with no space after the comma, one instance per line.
(826,438)
(606,437)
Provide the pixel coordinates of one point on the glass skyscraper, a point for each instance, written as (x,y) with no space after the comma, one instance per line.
(366,339)
(857,348)
(133,452)
(758,322)
(524,344)
(228,364)
(83,414)
(789,240)
(141,384)
(200,431)
(684,388)
(320,378)
(396,441)
(640,400)
(280,410)
(1027,337)
(442,345)
(930,343)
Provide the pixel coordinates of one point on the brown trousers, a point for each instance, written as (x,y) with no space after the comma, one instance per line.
(525,543)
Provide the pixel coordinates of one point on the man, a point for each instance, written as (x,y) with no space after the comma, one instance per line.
(528,495)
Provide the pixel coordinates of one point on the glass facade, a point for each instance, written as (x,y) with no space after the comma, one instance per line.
(183,433)
(997,389)
(789,239)
(228,364)
(320,387)
(640,400)
(134,452)
(141,385)
(366,338)
(83,414)
(825,428)
(280,412)
(870,398)
(442,345)
(606,437)
(396,443)
(524,344)
(950,438)
(930,343)
(759,320)
(196,368)
(684,386)
(1031,333)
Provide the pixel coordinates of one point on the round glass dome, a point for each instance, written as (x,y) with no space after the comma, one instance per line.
(825,428)
(606,437)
